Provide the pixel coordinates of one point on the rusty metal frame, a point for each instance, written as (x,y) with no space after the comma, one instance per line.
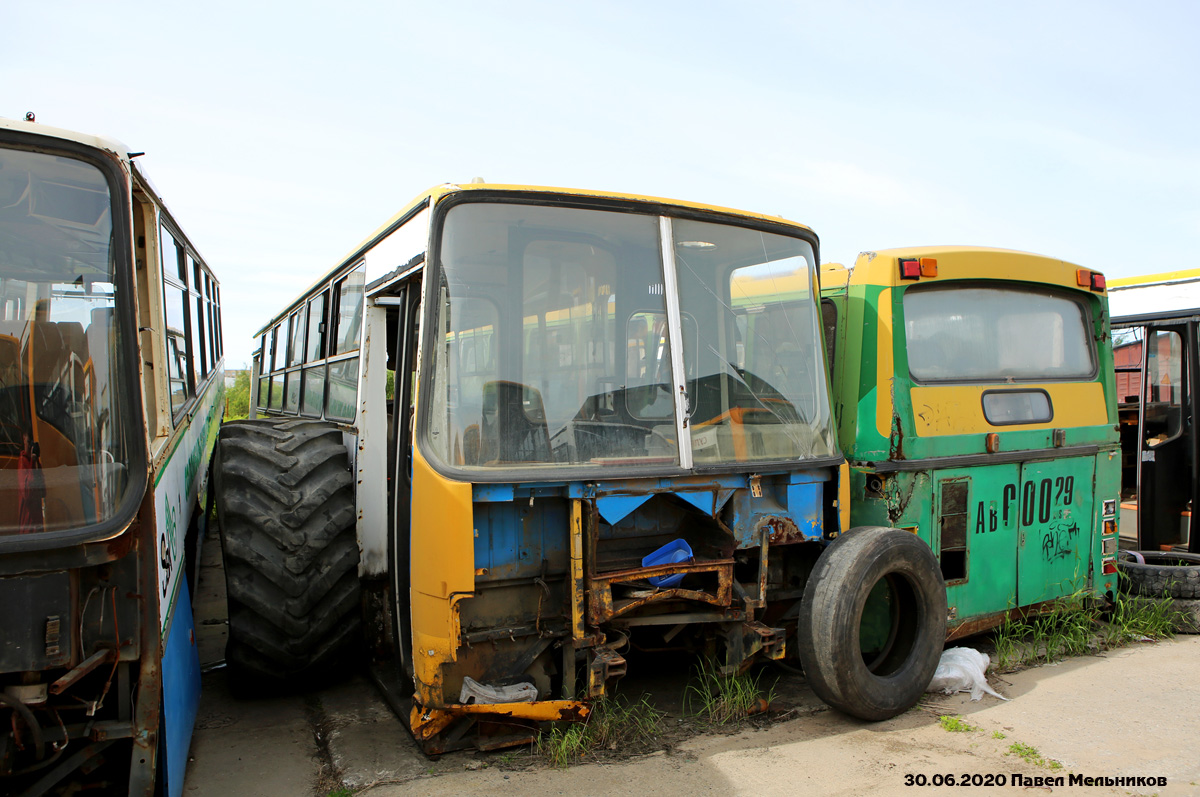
(598,586)
(429,724)
(601,608)
(980,624)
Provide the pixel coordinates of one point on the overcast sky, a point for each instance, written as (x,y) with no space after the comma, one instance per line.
(281,134)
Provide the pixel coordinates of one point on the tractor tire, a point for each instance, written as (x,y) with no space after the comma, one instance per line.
(873,622)
(285,504)
(1162,574)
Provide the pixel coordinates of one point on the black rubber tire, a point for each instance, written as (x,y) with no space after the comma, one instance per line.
(832,609)
(285,504)
(1164,575)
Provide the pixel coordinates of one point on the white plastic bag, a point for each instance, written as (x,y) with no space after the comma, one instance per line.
(962,670)
(474,692)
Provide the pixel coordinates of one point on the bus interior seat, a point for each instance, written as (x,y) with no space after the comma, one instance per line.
(514,427)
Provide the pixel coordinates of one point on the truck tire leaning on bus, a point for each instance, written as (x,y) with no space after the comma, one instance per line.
(285,503)
(832,609)
(1162,574)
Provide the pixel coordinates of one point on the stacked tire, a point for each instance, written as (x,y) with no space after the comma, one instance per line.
(1165,574)
(1161,574)
(285,504)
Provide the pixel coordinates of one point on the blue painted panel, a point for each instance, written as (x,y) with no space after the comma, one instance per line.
(702,501)
(181,691)
(614,508)
(492,492)
(512,539)
(804,505)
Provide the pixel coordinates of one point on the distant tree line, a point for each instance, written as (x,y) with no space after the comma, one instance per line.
(237,398)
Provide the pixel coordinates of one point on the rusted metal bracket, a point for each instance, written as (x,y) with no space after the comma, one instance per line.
(83,668)
(603,665)
(750,639)
(602,608)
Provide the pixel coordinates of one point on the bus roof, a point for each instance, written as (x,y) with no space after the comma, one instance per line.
(114,147)
(1155,296)
(99,142)
(435,194)
(834,277)
(432,196)
(967,262)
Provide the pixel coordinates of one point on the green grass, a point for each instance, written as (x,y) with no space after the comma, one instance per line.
(1079,624)
(613,723)
(1134,619)
(564,746)
(1032,756)
(721,699)
(507,759)
(998,735)
(955,724)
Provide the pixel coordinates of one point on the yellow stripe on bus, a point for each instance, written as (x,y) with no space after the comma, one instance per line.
(940,410)
(884,370)
(1148,279)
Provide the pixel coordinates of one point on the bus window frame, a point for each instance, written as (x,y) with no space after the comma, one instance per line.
(195,291)
(126,350)
(900,329)
(1183,386)
(337,287)
(263,375)
(431,286)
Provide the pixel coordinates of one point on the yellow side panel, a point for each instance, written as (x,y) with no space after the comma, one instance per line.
(958,409)
(884,369)
(443,566)
(844,495)
(577,593)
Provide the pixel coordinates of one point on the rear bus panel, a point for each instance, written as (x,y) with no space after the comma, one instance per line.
(1015,510)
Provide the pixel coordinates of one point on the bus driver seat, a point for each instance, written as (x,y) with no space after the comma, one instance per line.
(514,424)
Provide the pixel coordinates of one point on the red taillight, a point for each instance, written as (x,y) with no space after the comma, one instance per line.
(1085,278)
(910,269)
(1110,566)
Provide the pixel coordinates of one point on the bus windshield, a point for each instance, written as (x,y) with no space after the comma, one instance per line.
(554,348)
(996,334)
(63,438)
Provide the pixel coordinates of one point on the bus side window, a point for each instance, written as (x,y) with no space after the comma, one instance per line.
(829,320)
(175,321)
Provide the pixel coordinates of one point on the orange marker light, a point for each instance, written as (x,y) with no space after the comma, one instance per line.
(1083,278)
(928,267)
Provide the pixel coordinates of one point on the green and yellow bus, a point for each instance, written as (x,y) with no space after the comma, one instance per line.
(976,405)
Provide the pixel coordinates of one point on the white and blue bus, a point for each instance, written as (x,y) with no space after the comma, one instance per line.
(111,393)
